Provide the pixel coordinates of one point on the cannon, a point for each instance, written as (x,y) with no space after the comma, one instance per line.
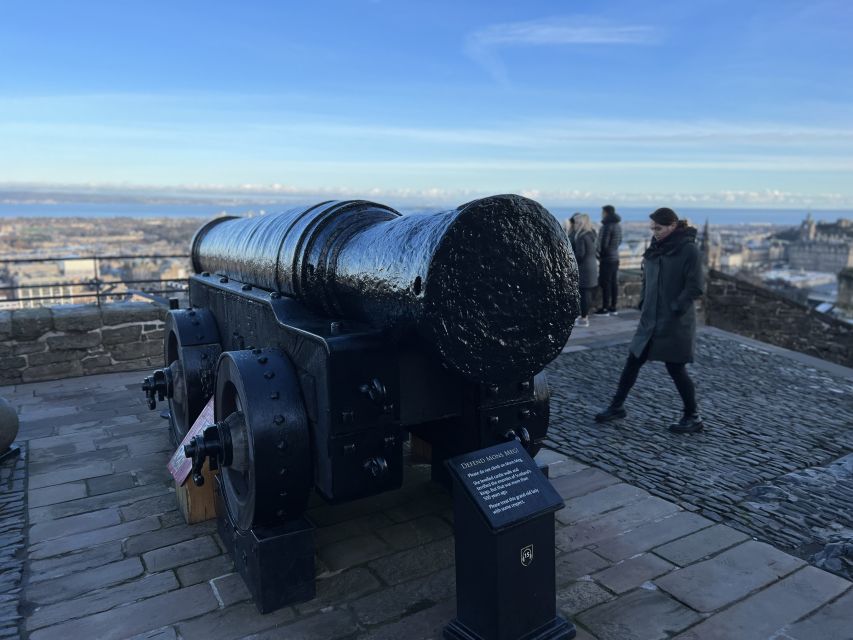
(327,334)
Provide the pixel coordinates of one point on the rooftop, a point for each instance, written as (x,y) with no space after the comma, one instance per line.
(742,531)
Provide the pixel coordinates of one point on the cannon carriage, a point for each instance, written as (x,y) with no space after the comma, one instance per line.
(327,334)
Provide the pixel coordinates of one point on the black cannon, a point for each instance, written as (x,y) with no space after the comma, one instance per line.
(327,334)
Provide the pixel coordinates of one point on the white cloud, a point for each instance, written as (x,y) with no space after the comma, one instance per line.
(483,44)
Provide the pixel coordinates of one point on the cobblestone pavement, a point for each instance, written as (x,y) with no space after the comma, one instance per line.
(773,460)
(12,531)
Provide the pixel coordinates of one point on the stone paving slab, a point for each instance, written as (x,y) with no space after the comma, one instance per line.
(118,561)
(701,544)
(642,614)
(712,584)
(831,622)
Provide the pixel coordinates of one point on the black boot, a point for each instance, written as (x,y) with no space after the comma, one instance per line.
(688,424)
(613,412)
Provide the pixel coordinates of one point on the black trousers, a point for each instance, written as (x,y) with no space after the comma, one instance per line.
(586,298)
(677,371)
(608,280)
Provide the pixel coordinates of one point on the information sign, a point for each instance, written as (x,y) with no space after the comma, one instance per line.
(505,484)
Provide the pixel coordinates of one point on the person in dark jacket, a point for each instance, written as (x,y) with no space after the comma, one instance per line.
(608,259)
(583,238)
(672,280)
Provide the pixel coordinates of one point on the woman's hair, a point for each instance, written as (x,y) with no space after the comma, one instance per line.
(664,216)
(582,223)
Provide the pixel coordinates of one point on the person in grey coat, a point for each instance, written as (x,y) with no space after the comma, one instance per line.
(672,280)
(584,239)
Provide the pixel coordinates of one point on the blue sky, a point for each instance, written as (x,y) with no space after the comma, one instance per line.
(707,102)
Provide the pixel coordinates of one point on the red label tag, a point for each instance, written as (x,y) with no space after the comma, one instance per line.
(179,465)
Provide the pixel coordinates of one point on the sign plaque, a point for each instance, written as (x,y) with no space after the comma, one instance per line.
(505,484)
(179,465)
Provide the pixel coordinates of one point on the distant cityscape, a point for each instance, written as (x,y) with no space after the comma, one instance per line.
(59,260)
(49,261)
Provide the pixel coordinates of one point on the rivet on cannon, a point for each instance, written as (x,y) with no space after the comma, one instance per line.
(274,395)
(223,279)
(275,295)
(524,386)
(246,287)
(492,389)
(262,359)
(257,352)
(281,445)
(524,413)
(269,375)
(494,420)
(279,419)
(335,328)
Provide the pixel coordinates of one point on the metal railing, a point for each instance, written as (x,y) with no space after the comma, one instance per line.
(96,288)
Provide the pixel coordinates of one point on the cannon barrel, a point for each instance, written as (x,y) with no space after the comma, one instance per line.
(491,284)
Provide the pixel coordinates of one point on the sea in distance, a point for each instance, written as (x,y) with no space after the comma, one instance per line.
(697,215)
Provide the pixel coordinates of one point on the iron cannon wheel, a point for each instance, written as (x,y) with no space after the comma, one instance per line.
(190,350)
(271,475)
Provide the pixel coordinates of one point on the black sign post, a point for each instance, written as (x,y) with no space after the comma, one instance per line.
(503,510)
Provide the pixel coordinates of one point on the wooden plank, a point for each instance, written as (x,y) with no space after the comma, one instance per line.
(197,504)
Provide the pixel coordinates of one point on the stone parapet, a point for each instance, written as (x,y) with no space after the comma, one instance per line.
(75,340)
(759,313)
(630,287)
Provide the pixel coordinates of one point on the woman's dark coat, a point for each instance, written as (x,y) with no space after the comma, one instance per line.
(672,280)
(584,247)
(610,238)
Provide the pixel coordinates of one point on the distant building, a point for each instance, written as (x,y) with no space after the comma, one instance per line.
(40,284)
(826,247)
(711,248)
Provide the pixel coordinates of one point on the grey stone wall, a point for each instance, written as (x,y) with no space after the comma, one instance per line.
(845,290)
(761,314)
(76,340)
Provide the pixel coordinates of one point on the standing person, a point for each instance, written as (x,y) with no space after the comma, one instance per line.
(608,259)
(583,239)
(672,280)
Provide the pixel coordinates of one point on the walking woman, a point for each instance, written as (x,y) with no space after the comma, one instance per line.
(583,238)
(672,280)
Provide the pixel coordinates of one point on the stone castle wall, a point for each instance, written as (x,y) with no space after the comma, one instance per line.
(75,340)
(762,314)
